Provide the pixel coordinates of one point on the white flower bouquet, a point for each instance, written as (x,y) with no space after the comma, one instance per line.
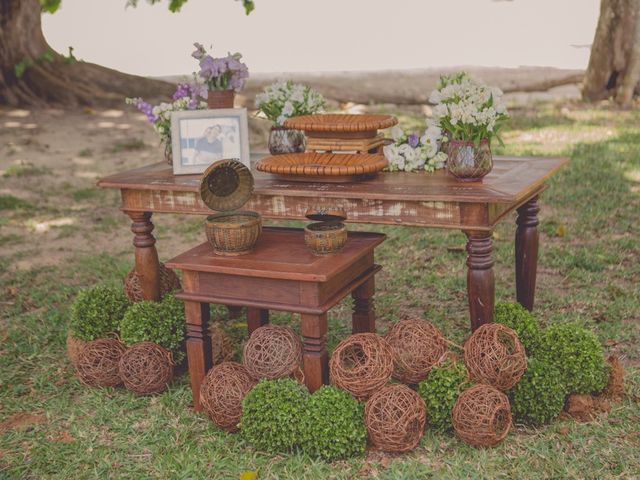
(467,109)
(282,100)
(413,152)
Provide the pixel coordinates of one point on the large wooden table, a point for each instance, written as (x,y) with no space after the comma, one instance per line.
(404,199)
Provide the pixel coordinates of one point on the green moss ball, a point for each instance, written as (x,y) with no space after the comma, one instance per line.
(522,321)
(334,425)
(441,389)
(159,322)
(539,396)
(578,356)
(273,415)
(97,312)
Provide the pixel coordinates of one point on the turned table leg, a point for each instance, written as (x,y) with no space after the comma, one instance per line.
(314,353)
(147,263)
(198,346)
(527,252)
(480,279)
(256,318)
(363,318)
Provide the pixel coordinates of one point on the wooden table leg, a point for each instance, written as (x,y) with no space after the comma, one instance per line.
(363,318)
(198,346)
(314,353)
(147,263)
(527,252)
(480,279)
(256,317)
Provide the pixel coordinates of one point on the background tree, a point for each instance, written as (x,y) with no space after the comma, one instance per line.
(614,64)
(32,73)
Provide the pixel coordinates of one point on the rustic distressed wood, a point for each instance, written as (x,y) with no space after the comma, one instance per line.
(527,252)
(480,278)
(407,199)
(147,263)
(198,346)
(275,278)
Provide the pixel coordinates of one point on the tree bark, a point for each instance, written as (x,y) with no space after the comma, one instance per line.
(49,78)
(614,64)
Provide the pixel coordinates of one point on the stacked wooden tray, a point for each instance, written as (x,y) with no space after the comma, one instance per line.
(340,148)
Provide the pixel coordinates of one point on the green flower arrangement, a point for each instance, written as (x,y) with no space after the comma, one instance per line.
(333,425)
(159,322)
(97,312)
(441,389)
(518,318)
(539,396)
(272,415)
(578,356)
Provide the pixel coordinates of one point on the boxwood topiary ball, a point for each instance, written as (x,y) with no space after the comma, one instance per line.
(96,312)
(158,322)
(334,425)
(273,414)
(539,396)
(578,356)
(440,391)
(522,321)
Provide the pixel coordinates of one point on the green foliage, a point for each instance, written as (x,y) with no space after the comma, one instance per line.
(518,318)
(176,5)
(272,415)
(538,397)
(333,425)
(97,312)
(9,202)
(160,322)
(441,389)
(50,6)
(577,354)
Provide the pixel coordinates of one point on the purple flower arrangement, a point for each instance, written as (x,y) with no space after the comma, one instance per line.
(188,96)
(226,73)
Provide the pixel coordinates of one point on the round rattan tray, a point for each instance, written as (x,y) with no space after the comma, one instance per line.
(340,123)
(325,167)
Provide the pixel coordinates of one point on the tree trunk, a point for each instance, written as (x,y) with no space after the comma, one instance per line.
(49,78)
(614,64)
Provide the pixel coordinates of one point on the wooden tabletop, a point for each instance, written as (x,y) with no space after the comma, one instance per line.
(512,180)
(280,253)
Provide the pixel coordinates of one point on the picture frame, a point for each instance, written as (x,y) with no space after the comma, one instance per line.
(201,137)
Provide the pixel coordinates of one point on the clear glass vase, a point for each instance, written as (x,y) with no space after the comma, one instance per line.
(168,152)
(286,140)
(467,161)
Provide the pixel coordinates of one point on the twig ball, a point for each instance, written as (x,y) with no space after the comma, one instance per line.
(98,361)
(146,368)
(417,346)
(395,416)
(272,351)
(361,364)
(169,282)
(482,416)
(221,345)
(494,355)
(74,346)
(222,392)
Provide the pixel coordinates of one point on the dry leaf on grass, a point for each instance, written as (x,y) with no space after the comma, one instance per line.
(21,419)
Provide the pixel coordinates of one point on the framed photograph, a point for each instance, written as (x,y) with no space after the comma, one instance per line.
(201,137)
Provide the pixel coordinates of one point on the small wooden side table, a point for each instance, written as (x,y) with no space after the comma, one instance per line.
(280,274)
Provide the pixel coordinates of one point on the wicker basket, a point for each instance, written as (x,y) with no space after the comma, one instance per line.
(233,233)
(329,234)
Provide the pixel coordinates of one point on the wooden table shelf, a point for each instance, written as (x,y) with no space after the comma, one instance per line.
(405,199)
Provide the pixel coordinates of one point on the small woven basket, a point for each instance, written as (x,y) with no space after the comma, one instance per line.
(324,238)
(233,233)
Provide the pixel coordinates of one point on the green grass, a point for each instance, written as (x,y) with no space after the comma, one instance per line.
(129,145)
(9,202)
(588,271)
(25,170)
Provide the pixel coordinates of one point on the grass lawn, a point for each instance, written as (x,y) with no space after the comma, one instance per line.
(51,426)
